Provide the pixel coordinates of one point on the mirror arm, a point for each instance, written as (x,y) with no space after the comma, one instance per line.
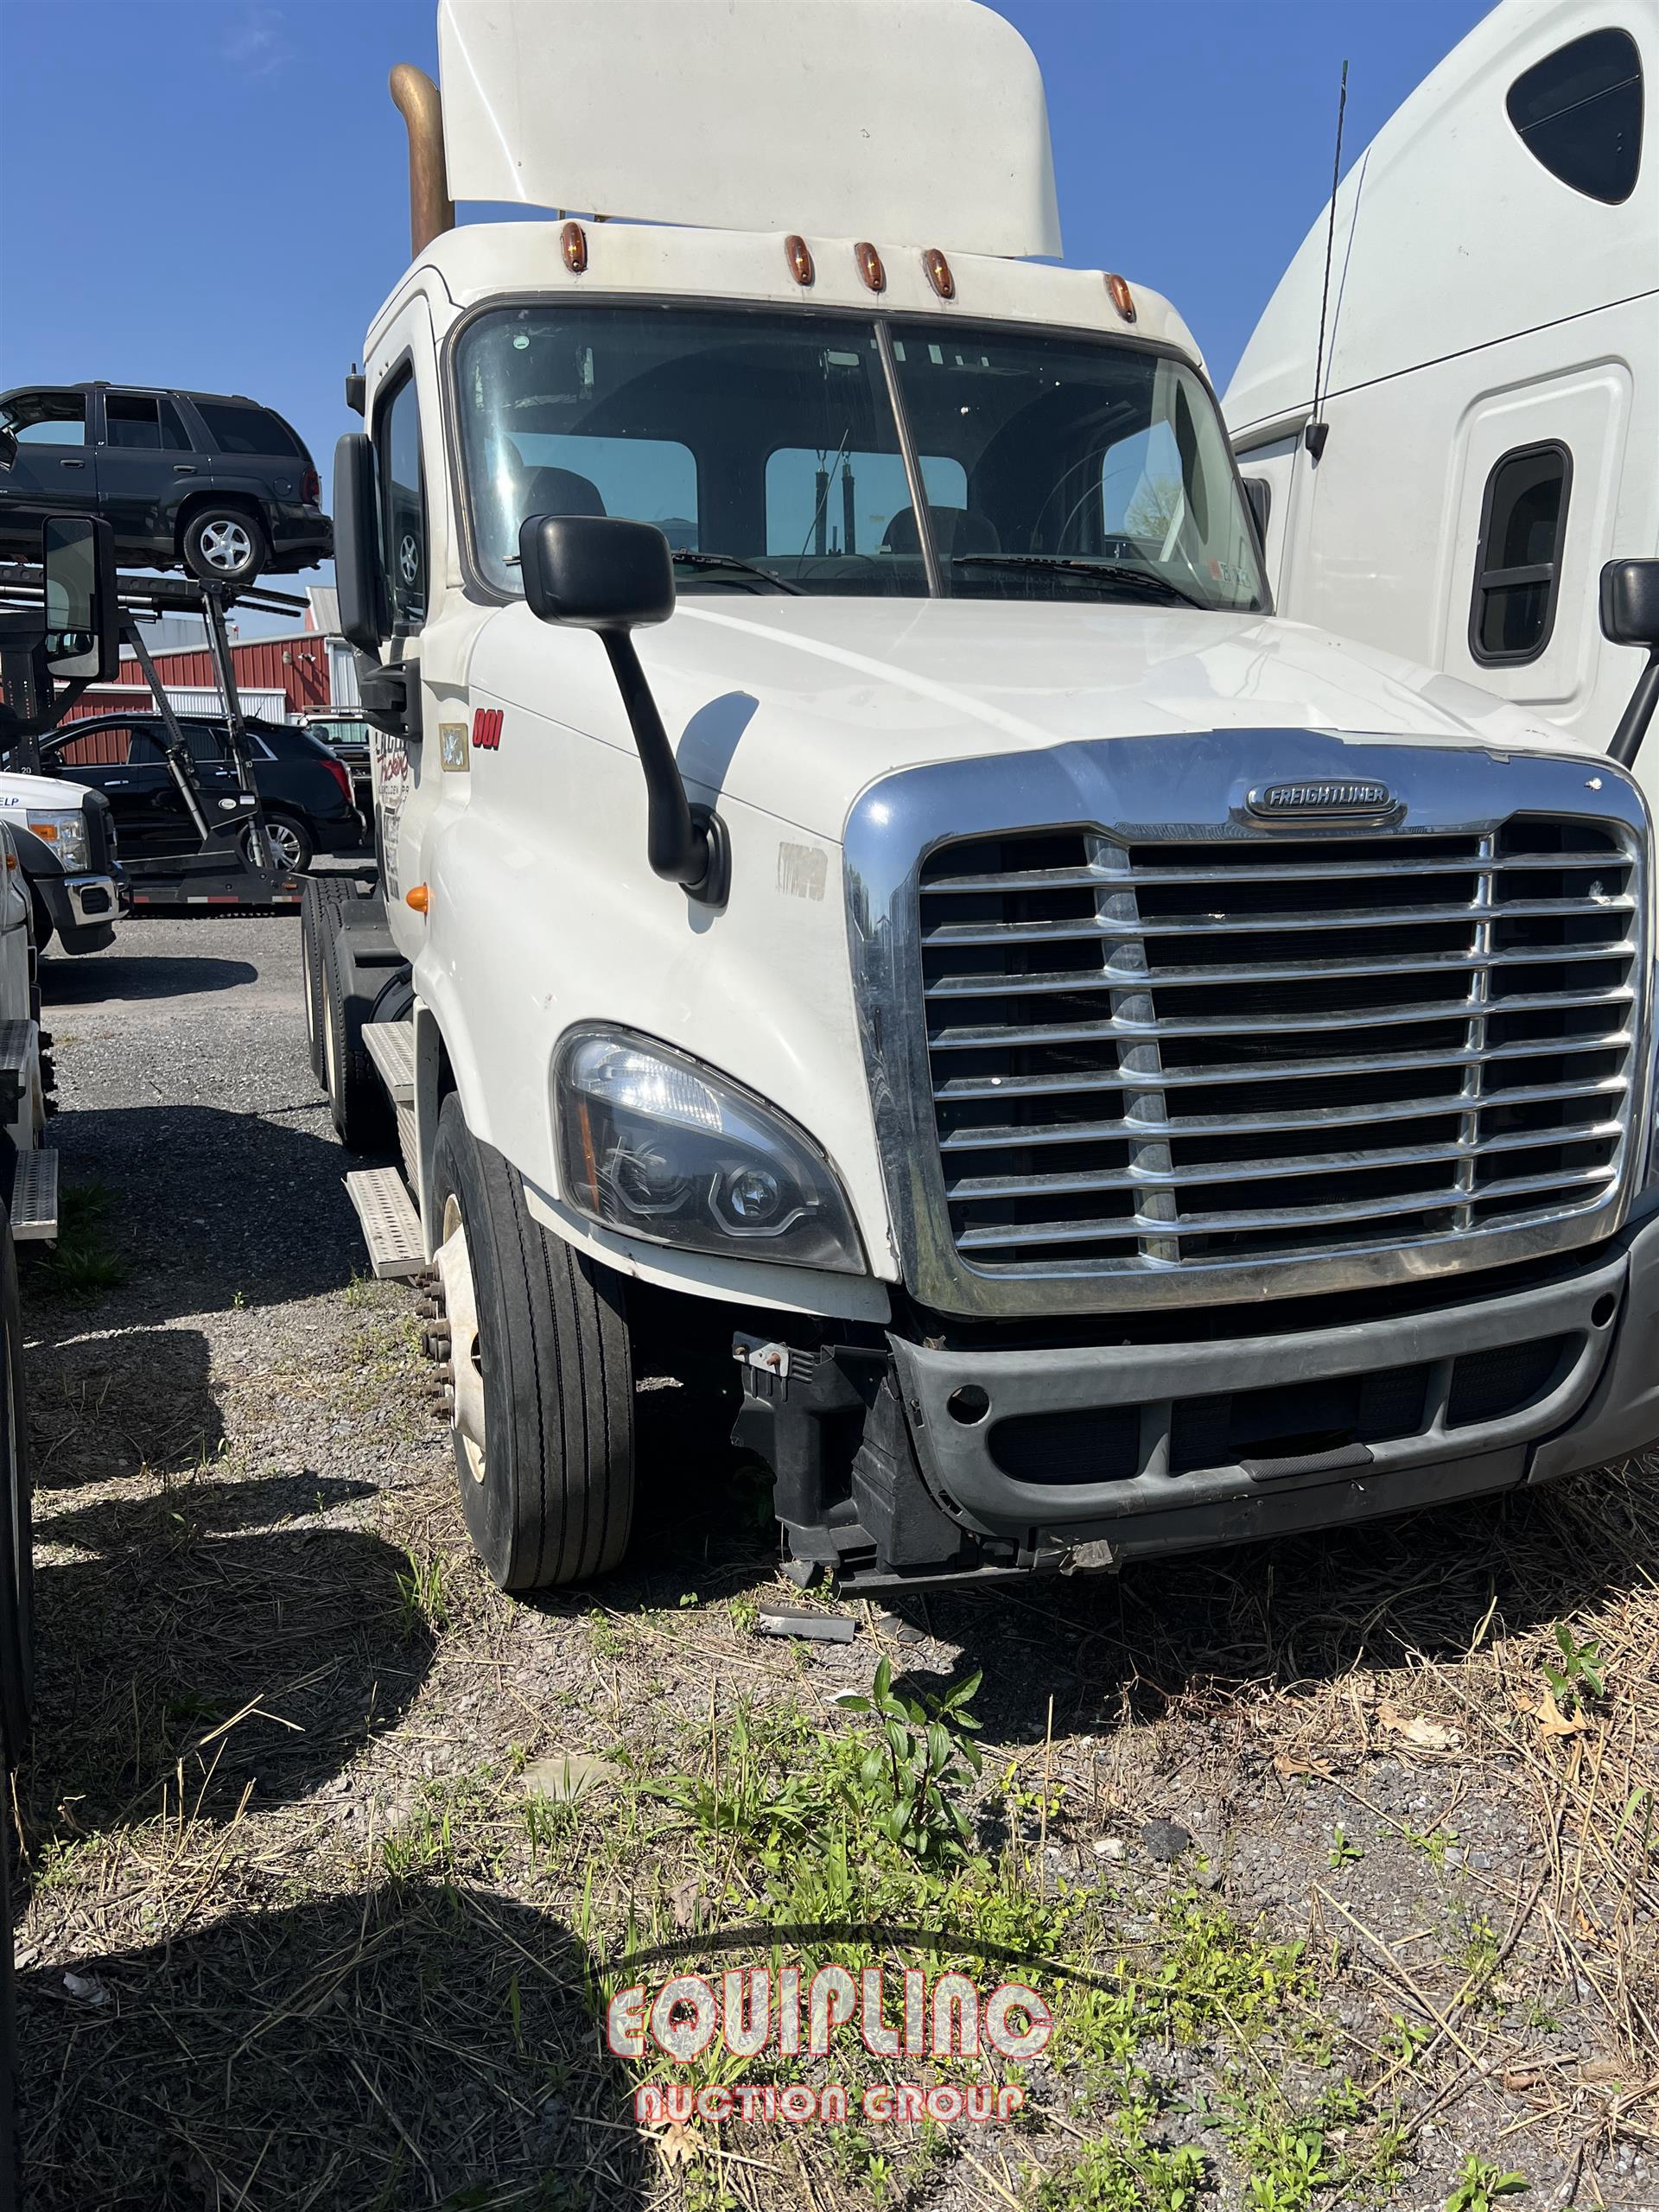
(685,844)
(1633,722)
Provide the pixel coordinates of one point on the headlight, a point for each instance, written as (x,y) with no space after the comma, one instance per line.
(65,832)
(655,1146)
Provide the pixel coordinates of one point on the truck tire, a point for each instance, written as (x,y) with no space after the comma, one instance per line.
(322,900)
(8,2176)
(544,1377)
(357,1097)
(16,1545)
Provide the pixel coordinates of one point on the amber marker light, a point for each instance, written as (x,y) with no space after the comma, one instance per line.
(419,898)
(574,239)
(1122,297)
(869,265)
(938,273)
(798,255)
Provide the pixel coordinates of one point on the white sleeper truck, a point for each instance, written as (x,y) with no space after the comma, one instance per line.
(876,912)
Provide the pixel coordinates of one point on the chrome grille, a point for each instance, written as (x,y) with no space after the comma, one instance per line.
(1173,1055)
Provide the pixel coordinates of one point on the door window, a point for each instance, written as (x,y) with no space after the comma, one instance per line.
(47,418)
(1578,111)
(1517,560)
(145,423)
(403,505)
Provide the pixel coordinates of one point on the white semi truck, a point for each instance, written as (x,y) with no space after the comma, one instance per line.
(1449,436)
(872,900)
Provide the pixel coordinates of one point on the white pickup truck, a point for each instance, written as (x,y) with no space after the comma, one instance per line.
(873,904)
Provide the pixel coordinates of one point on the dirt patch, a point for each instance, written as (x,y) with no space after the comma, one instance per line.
(1333,1859)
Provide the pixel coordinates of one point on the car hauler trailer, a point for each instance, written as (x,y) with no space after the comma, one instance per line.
(871,900)
(236,862)
(1484,433)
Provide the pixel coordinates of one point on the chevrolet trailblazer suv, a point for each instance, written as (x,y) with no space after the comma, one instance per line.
(218,483)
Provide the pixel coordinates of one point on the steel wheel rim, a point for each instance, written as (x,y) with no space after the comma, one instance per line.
(465,1360)
(225,545)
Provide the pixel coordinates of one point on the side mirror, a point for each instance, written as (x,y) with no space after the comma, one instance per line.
(1629,616)
(598,573)
(82,613)
(359,578)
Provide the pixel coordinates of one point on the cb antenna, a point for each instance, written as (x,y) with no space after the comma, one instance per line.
(1317,429)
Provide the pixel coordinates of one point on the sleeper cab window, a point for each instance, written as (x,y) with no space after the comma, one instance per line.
(1518,560)
(1578,111)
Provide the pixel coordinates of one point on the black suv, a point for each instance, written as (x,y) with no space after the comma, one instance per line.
(305,792)
(220,484)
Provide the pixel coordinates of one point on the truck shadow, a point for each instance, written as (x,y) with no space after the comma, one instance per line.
(91,980)
(423,2043)
(200,1629)
(1183,1635)
(201,1207)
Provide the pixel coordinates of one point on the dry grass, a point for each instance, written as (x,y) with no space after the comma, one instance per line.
(328,1953)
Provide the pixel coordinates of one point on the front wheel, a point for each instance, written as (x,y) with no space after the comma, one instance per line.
(224,545)
(543,1376)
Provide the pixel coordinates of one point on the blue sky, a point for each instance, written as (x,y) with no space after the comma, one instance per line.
(211,193)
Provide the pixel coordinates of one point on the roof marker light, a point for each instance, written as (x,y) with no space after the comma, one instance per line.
(1121,297)
(938,273)
(574,239)
(869,265)
(798,255)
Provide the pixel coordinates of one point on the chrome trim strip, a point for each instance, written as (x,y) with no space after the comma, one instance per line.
(1194,789)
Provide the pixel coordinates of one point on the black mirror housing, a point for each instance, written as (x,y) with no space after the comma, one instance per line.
(595,572)
(81,608)
(359,578)
(1629,603)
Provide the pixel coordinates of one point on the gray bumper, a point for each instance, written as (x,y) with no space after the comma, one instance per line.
(1120,1450)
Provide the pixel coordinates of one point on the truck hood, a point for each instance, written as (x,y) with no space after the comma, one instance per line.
(19,793)
(796,705)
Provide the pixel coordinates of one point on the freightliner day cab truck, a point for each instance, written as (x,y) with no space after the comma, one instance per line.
(873,901)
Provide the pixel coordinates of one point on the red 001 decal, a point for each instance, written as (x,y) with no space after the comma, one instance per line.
(486,730)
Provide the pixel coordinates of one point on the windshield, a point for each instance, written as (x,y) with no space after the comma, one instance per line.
(766,447)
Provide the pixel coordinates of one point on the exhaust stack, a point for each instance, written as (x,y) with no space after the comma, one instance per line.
(431,211)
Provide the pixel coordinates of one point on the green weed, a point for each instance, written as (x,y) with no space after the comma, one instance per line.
(1580,1672)
(1480,2184)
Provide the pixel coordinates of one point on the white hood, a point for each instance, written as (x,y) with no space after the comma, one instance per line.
(796,705)
(19,793)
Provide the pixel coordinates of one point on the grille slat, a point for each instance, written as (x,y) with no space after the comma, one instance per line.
(1112,978)
(1141,1129)
(1247,1025)
(1071,878)
(1207,925)
(986,1137)
(1267,1170)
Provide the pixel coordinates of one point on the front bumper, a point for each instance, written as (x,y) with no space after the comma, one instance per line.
(1113,1452)
(92,899)
(973,1460)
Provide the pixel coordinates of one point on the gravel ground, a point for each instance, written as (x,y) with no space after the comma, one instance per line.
(289,1941)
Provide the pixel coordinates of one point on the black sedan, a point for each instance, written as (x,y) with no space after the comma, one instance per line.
(305,791)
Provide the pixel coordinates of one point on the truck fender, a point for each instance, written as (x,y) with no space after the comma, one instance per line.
(444,1063)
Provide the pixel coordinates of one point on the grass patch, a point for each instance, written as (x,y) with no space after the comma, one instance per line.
(83,1261)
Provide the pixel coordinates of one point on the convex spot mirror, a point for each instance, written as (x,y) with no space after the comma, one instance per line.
(1629,603)
(596,572)
(81,610)
(600,573)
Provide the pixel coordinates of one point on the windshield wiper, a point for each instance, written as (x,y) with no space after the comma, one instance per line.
(732,561)
(1101,572)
